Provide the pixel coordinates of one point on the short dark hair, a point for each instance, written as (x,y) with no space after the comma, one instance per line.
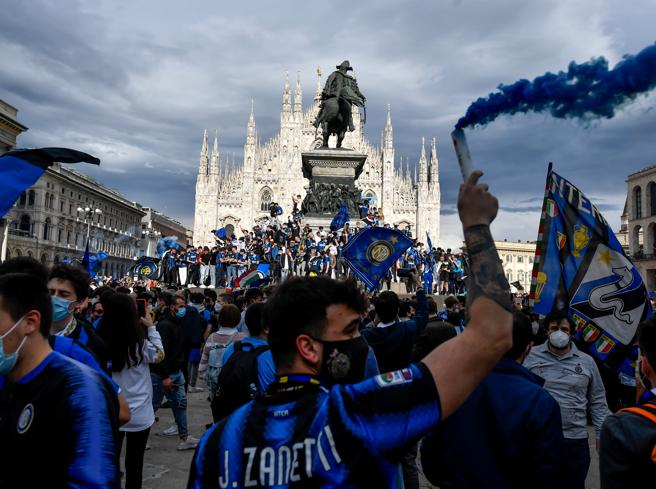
(196,298)
(229,316)
(451,301)
(432,306)
(522,335)
(298,306)
(253,319)
(387,306)
(253,293)
(22,292)
(647,340)
(78,277)
(227,298)
(434,335)
(404,309)
(25,264)
(558,316)
(210,294)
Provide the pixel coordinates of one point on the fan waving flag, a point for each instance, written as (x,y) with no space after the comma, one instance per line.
(430,244)
(341,218)
(167,243)
(20,169)
(580,268)
(373,251)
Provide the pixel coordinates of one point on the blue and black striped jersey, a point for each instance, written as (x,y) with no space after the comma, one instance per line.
(58,426)
(302,434)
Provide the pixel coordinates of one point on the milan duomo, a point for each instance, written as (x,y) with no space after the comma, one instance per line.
(238,196)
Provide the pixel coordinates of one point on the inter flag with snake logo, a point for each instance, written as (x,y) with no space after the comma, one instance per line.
(581,268)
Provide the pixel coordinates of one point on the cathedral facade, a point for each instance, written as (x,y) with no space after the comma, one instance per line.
(237,196)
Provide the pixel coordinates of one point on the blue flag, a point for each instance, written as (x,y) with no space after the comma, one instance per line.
(430,245)
(85,259)
(373,251)
(20,169)
(341,218)
(220,233)
(580,268)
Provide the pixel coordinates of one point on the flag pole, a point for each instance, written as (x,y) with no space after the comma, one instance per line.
(537,259)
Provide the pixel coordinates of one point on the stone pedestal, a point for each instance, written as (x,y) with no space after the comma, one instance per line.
(332,174)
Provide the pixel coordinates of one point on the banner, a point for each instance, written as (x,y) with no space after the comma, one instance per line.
(580,268)
(372,252)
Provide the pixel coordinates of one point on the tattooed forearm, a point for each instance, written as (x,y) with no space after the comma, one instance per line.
(486,277)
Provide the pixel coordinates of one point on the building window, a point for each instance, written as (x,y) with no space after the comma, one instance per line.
(265,199)
(59,235)
(68,237)
(25,224)
(31,197)
(46,229)
(23,199)
(530,260)
(51,204)
(520,259)
(638,202)
(509,258)
(61,206)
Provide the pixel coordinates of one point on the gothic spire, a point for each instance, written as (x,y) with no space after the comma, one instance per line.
(204,156)
(287,96)
(298,95)
(434,164)
(423,164)
(251,130)
(214,166)
(317,95)
(388,133)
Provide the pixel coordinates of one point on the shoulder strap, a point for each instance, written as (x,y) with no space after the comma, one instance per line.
(647,410)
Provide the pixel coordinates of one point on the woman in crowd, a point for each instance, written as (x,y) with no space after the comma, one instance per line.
(134,343)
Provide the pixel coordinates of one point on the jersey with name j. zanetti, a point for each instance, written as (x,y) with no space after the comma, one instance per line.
(305,435)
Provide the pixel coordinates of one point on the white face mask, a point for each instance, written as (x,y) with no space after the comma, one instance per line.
(559,339)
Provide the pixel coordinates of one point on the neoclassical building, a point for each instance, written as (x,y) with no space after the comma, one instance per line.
(236,196)
(639,220)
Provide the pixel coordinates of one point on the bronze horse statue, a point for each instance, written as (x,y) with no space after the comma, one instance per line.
(335,116)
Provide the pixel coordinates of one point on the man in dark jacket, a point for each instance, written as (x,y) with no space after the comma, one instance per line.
(506,435)
(167,376)
(391,339)
(627,456)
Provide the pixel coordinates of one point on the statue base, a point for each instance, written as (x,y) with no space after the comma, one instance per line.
(332,174)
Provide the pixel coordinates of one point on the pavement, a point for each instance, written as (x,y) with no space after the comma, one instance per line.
(167,468)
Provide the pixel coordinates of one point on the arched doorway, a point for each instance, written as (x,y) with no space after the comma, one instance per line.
(637,241)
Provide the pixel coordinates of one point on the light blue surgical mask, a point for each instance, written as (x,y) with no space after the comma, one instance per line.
(59,308)
(8,360)
(180,313)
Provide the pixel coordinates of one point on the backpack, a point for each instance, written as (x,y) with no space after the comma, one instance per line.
(215,363)
(647,411)
(237,383)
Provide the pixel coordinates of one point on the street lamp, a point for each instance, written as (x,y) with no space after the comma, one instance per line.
(88,217)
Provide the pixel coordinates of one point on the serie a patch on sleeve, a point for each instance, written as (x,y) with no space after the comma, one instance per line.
(388,379)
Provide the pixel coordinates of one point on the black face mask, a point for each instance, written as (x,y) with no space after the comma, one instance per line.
(344,361)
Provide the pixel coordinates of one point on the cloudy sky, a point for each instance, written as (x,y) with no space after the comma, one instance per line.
(135,83)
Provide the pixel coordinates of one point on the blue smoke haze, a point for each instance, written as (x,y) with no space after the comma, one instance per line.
(586,91)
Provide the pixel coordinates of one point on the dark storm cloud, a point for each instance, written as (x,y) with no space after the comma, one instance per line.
(136,83)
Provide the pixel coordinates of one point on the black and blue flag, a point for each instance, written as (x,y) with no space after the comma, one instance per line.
(20,169)
(341,218)
(146,267)
(373,251)
(580,268)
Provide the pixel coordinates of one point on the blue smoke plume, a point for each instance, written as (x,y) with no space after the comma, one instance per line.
(585,91)
(167,243)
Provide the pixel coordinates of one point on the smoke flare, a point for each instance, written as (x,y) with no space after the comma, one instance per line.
(585,91)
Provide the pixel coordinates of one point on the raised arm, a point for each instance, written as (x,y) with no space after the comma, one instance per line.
(460,364)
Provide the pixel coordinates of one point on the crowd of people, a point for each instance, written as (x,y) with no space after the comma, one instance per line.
(292,249)
(310,381)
